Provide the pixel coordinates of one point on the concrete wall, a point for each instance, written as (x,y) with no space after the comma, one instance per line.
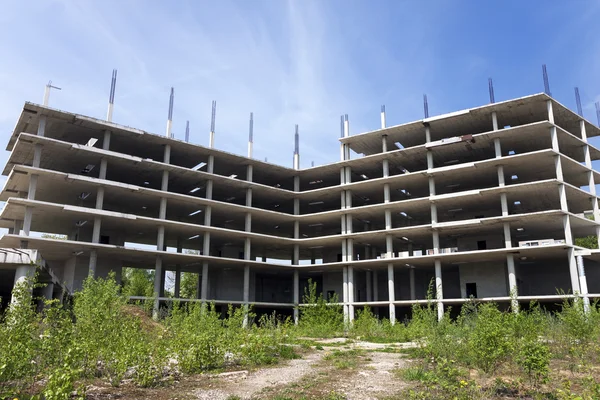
(490,279)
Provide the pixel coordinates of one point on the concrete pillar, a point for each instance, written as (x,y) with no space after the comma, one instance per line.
(177,288)
(507,236)
(391,294)
(24,276)
(573,271)
(37,155)
(48,291)
(497,147)
(100,198)
(41,131)
(296,296)
(345,292)
(93,263)
(436,242)
(204,287)
(106,141)
(427,133)
(512,283)
(103,167)
(411,278)
(501,181)
(386,168)
(430,164)
(351,294)
(369,285)
(583,284)
(160,239)
(550,111)
(33,180)
(375,287)
(246,293)
(494,121)
(439,290)
(434,216)
(504,204)
(27,220)
(158,281)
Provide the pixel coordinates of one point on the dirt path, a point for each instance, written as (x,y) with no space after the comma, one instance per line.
(245,386)
(350,370)
(374,379)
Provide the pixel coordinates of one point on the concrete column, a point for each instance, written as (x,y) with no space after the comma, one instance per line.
(550,111)
(512,282)
(375,286)
(48,291)
(497,147)
(430,164)
(501,181)
(434,216)
(158,272)
(583,284)
(351,294)
(24,275)
(369,285)
(93,263)
(431,186)
(199,287)
(27,220)
(436,242)
(296,296)
(439,290)
(103,167)
(345,292)
(177,288)
(100,198)
(389,246)
(160,239)
(106,141)
(504,204)
(494,121)
(386,168)
(391,293)
(507,236)
(41,131)
(411,278)
(427,133)
(554,139)
(246,293)
(204,287)
(573,271)
(33,180)
(37,155)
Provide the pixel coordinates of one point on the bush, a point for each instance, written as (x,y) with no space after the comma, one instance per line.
(490,341)
(534,357)
(320,318)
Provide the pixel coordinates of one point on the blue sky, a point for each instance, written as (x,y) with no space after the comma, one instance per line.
(290,62)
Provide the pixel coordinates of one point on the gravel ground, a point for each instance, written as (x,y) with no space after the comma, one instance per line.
(245,386)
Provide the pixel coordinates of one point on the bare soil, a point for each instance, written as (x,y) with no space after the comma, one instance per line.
(366,373)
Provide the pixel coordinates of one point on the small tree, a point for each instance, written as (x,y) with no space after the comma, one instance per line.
(319,317)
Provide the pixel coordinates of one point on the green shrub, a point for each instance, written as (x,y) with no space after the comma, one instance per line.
(490,341)
(319,317)
(534,357)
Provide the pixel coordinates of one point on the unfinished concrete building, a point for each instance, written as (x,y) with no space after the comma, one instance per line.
(481,203)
